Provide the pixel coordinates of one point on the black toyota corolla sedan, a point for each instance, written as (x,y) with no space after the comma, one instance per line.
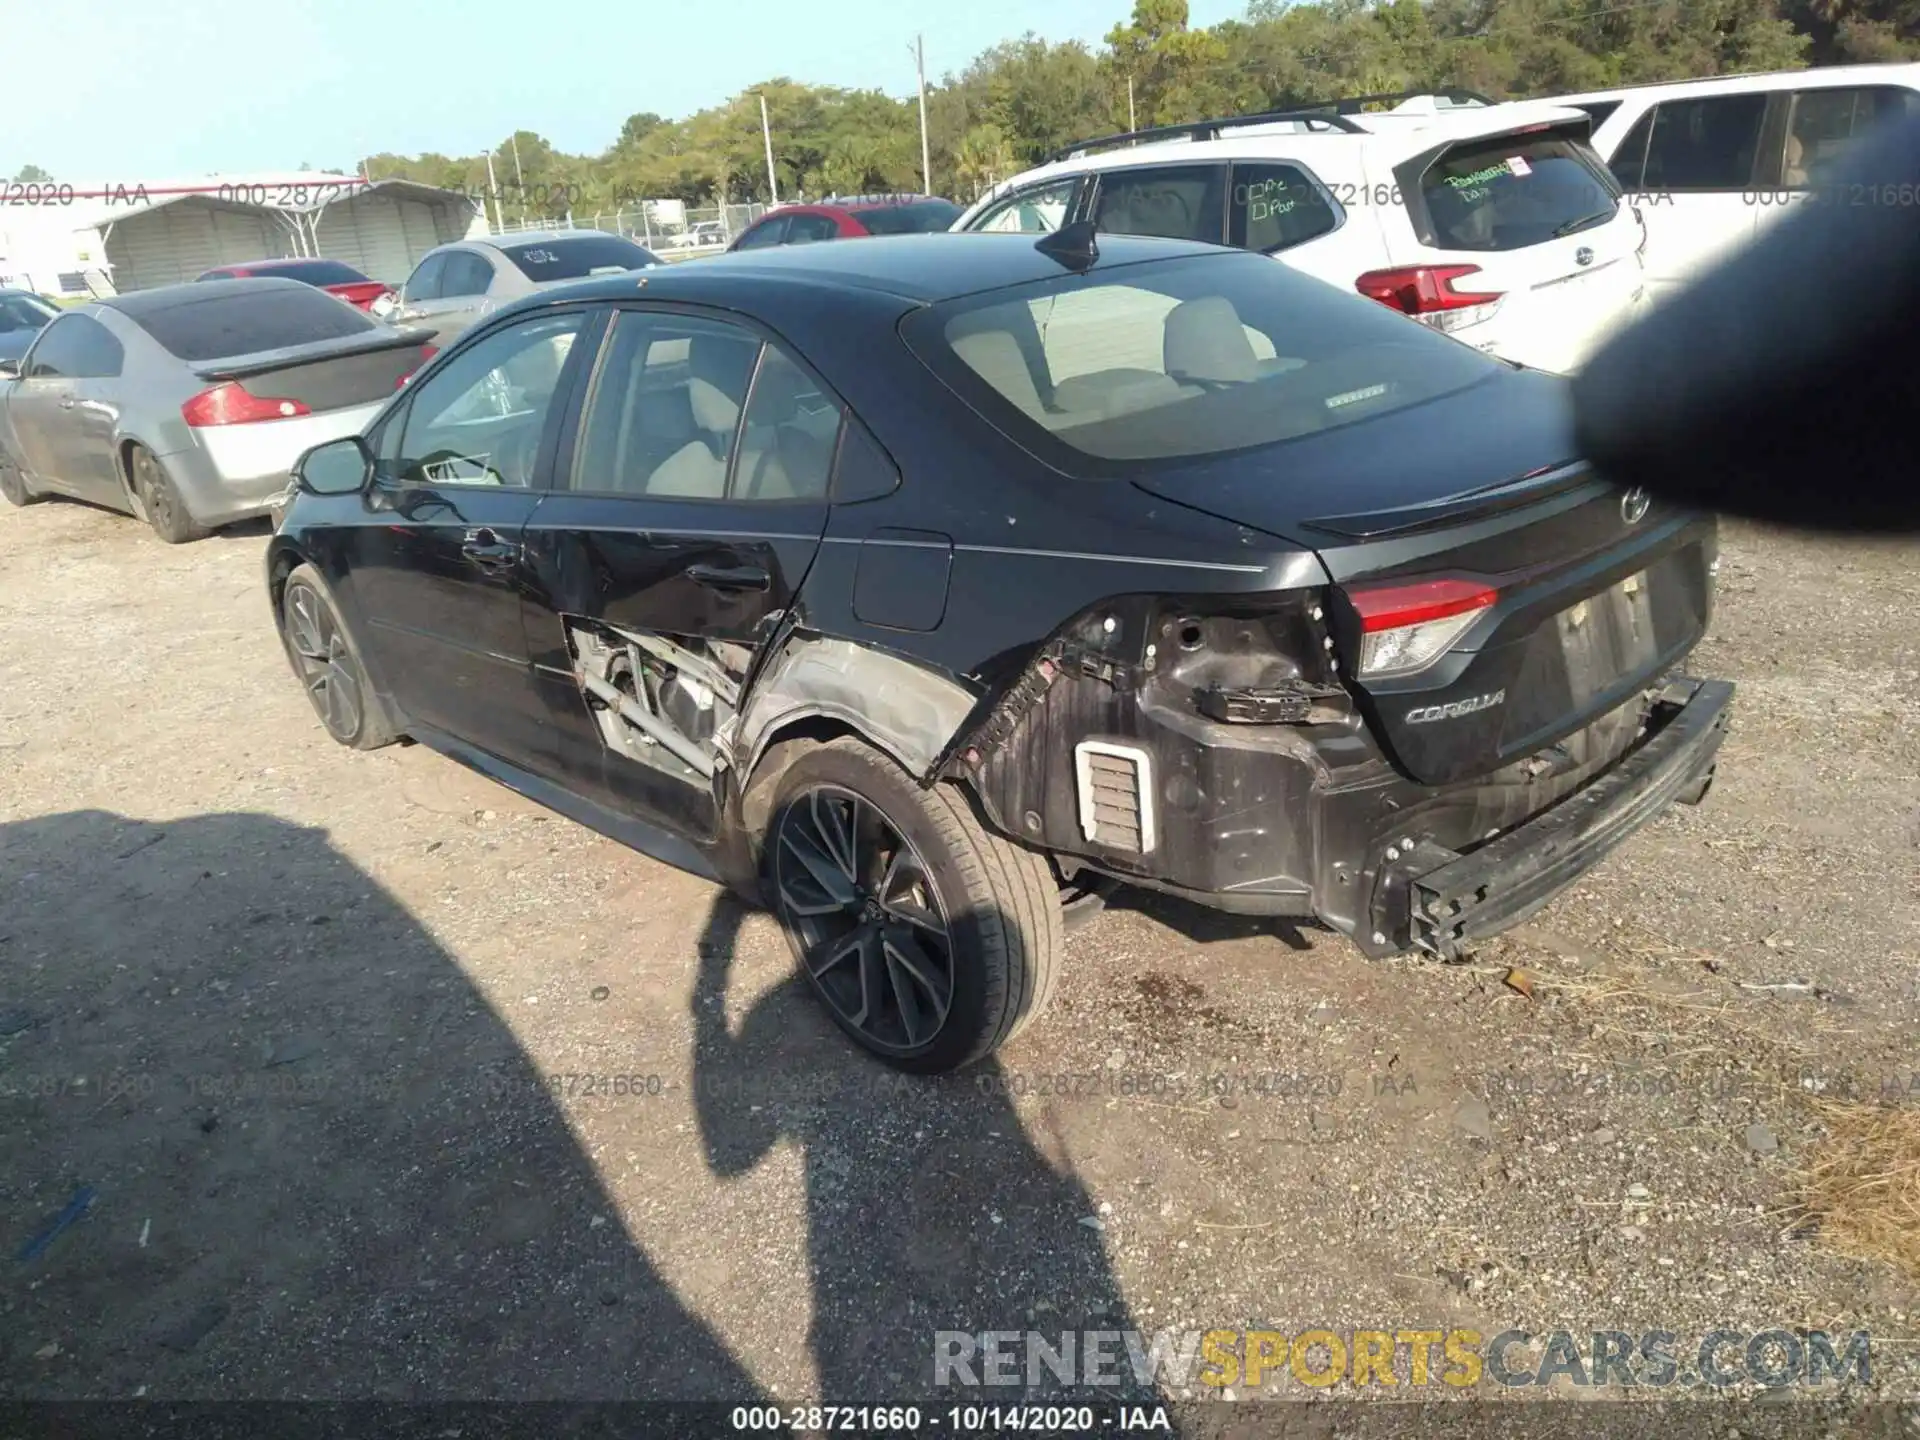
(918,586)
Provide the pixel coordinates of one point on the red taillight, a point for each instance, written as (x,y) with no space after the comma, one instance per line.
(1392,606)
(1423,289)
(427,352)
(1404,628)
(233,404)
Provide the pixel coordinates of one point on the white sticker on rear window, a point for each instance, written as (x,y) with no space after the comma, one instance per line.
(1518,166)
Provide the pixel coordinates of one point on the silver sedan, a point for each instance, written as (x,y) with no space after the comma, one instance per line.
(458,284)
(187,405)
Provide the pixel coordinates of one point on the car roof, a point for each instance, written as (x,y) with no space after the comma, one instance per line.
(1823,77)
(539,237)
(1410,128)
(171,297)
(923,268)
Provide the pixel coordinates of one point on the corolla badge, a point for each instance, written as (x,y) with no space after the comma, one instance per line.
(1426,714)
(1583,256)
(1634,505)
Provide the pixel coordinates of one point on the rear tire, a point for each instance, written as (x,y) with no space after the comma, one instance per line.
(327,661)
(167,513)
(14,488)
(930,940)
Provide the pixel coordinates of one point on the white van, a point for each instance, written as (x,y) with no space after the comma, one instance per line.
(1496,223)
(1711,163)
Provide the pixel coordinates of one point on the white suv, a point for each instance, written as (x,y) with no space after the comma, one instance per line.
(1496,223)
(1712,163)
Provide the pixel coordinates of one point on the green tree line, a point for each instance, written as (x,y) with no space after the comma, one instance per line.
(1022,98)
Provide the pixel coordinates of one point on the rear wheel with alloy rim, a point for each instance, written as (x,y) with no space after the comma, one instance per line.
(167,513)
(328,663)
(930,940)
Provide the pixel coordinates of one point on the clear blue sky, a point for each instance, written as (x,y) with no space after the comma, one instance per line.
(123,90)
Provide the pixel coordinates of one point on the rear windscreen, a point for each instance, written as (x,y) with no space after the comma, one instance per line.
(1179,358)
(914,217)
(1509,192)
(577,258)
(315,272)
(234,321)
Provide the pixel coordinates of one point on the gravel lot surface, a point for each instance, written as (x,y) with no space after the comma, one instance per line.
(389,1083)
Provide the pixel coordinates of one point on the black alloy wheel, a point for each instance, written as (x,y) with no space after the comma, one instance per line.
(866,918)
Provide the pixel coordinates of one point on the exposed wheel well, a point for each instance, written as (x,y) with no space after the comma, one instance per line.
(281,563)
(123,465)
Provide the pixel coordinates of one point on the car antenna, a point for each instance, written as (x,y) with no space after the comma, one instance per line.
(1072,245)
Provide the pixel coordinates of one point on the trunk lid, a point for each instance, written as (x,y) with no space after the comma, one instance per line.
(323,375)
(1592,593)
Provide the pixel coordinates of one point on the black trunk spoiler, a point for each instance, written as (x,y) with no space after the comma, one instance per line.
(1529,489)
(288,357)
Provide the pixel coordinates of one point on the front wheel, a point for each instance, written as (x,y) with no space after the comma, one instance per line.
(930,940)
(14,488)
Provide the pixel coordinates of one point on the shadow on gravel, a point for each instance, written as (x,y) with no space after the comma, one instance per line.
(929,1207)
(322,1166)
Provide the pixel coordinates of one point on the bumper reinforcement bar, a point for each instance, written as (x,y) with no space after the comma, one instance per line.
(1453,900)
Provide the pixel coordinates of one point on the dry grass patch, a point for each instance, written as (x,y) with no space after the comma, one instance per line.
(1861,1186)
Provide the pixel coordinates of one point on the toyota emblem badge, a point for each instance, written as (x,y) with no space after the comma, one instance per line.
(1634,505)
(1583,256)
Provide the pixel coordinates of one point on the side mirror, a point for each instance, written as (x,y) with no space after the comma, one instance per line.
(9,369)
(339,467)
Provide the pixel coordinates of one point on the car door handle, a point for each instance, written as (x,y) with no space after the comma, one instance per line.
(488,550)
(730,577)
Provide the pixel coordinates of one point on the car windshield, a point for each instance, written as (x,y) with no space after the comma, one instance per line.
(244,321)
(1507,193)
(1174,359)
(910,217)
(23,312)
(575,258)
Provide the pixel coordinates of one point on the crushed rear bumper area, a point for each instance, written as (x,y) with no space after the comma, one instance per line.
(1436,900)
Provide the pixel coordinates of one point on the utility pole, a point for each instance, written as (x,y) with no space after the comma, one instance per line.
(920,69)
(766,134)
(493,189)
(519,180)
(1131,125)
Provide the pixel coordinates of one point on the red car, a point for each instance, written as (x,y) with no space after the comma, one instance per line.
(843,218)
(329,275)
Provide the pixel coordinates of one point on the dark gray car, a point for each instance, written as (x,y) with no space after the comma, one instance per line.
(187,405)
(458,284)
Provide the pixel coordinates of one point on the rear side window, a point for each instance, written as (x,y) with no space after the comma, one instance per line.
(232,321)
(767,232)
(1169,360)
(466,274)
(1275,206)
(1704,144)
(1185,202)
(1630,156)
(424,283)
(806,229)
(1824,122)
(76,347)
(913,217)
(1508,192)
(575,258)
